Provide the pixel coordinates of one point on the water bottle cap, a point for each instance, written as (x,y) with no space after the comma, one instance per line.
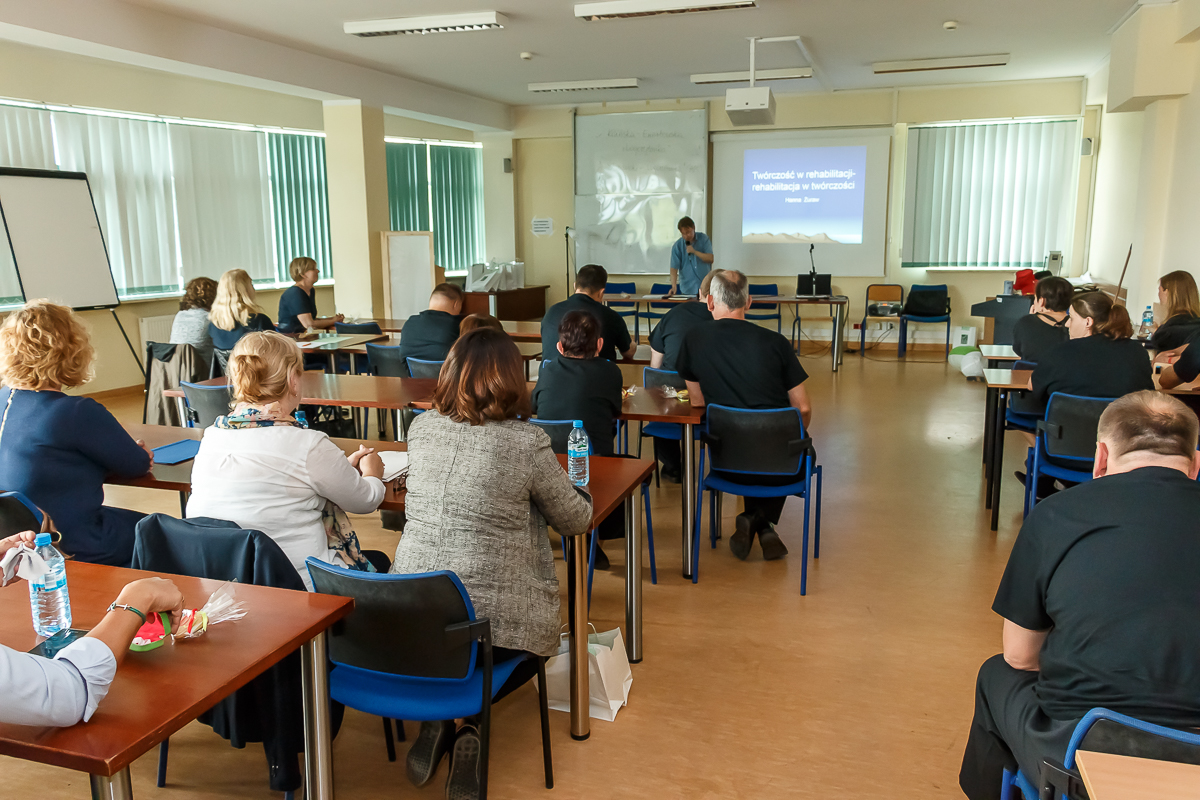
(41,540)
(577,423)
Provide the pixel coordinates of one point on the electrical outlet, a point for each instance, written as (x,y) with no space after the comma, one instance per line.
(891,326)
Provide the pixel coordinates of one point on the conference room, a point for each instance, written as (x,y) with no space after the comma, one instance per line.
(605,399)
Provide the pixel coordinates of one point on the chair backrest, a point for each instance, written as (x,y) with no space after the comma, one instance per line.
(1024,364)
(764,290)
(756,442)
(206,403)
(357,327)
(928,300)
(213,549)
(656,378)
(622,288)
(1105,731)
(885,293)
(661,288)
(420,368)
(222,359)
(559,431)
(17,514)
(385,360)
(401,624)
(1068,432)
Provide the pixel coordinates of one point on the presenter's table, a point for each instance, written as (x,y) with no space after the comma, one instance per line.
(157,693)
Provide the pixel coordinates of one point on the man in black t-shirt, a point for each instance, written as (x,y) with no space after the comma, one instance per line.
(1099,599)
(732,362)
(589,292)
(665,341)
(430,334)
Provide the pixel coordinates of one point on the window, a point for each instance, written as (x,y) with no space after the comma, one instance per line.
(301,201)
(990,195)
(441,182)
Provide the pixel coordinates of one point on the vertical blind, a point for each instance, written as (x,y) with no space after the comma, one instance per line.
(26,140)
(408,185)
(990,195)
(301,198)
(439,188)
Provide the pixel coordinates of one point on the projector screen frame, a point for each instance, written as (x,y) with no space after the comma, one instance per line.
(61,175)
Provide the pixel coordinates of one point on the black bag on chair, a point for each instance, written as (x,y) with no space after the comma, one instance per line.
(333,421)
(927,303)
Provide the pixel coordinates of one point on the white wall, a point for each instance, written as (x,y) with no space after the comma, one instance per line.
(1119,151)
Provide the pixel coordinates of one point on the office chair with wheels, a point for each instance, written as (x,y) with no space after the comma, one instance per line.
(434,664)
(205,403)
(926,303)
(626,308)
(766,311)
(1065,447)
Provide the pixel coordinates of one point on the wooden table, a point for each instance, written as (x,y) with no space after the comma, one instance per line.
(157,693)
(999,382)
(1112,777)
(335,343)
(527,331)
(995,353)
(613,481)
(530,351)
(357,391)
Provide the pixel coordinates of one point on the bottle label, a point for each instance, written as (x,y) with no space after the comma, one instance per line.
(50,583)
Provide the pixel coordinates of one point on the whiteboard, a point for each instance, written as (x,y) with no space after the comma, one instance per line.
(636,174)
(55,239)
(408,272)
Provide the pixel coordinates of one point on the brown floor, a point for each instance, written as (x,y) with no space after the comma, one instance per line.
(863,688)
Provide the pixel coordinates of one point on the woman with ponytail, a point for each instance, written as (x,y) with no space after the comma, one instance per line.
(262,468)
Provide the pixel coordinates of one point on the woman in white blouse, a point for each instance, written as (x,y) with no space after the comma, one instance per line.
(262,469)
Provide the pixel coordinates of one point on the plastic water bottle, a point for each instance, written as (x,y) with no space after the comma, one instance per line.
(577,455)
(48,598)
(1147,323)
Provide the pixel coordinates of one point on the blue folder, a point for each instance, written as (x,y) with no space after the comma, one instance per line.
(177,452)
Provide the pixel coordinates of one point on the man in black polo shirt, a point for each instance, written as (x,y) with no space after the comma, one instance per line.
(589,292)
(430,334)
(732,362)
(665,341)
(1099,600)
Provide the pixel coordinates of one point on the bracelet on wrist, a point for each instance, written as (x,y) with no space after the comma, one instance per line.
(127,607)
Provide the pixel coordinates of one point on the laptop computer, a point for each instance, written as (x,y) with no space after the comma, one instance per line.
(809,284)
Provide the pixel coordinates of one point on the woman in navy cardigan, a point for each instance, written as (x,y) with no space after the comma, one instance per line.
(56,449)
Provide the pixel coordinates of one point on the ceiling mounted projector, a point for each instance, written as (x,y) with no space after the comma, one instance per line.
(437,23)
(625,9)
(753,106)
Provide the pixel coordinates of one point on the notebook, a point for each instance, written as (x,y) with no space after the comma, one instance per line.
(395,462)
(177,452)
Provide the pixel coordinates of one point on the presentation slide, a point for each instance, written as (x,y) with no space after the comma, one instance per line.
(804,195)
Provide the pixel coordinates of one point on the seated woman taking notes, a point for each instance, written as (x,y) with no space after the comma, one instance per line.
(482,486)
(261,468)
(57,449)
(297,305)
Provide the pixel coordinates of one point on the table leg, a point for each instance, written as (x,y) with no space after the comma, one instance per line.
(836,336)
(633,578)
(318,746)
(689,497)
(989,408)
(181,407)
(998,456)
(118,787)
(577,638)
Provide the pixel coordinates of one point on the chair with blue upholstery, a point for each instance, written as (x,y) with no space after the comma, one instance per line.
(938,314)
(434,664)
(421,368)
(1104,731)
(385,360)
(766,311)
(1065,447)
(766,442)
(653,378)
(657,310)
(205,403)
(626,308)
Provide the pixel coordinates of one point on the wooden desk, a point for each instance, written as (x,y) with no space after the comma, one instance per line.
(356,391)
(1111,777)
(994,353)
(999,383)
(157,693)
(522,331)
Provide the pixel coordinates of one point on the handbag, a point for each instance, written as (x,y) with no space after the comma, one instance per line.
(609,676)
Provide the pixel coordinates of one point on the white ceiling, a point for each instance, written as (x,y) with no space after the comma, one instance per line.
(1047,39)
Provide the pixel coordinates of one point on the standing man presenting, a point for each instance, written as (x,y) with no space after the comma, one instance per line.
(691,259)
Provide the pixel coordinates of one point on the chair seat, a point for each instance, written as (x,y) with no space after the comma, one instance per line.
(714,481)
(911,318)
(1025,422)
(417,699)
(669,430)
(1063,473)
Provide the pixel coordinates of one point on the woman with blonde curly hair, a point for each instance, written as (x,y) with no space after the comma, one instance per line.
(55,448)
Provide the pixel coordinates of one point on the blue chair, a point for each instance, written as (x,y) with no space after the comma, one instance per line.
(772,310)
(357,327)
(558,430)
(1015,419)
(757,442)
(906,318)
(1065,447)
(662,308)
(421,368)
(385,360)
(1105,731)
(625,308)
(652,379)
(205,403)
(435,663)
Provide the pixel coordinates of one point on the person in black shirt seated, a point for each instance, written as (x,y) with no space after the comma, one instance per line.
(1046,325)
(298,305)
(1177,294)
(235,311)
(732,362)
(589,292)
(581,385)
(665,340)
(430,334)
(1099,600)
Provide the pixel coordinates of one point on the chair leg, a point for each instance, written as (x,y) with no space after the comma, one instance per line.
(654,442)
(1028,482)
(862,338)
(696,521)
(804,542)
(947,340)
(712,519)
(902,346)
(717,526)
(817,532)
(400,735)
(649,531)
(388,740)
(544,708)
(640,426)
(162,762)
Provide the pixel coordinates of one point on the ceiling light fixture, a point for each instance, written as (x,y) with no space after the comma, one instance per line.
(785,74)
(581,86)
(932,64)
(625,9)
(437,23)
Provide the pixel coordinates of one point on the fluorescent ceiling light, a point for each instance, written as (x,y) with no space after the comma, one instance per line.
(930,64)
(788,73)
(624,9)
(579,86)
(438,23)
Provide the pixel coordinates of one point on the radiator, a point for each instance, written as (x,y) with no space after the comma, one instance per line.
(155,329)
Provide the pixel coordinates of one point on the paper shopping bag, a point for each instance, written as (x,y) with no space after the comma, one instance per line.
(609,676)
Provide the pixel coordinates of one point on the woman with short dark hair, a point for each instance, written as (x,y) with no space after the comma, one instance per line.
(297,304)
(482,487)
(1046,325)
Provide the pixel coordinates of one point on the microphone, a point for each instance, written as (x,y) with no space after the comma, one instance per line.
(812,246)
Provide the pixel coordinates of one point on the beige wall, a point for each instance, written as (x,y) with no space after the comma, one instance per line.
(409,128)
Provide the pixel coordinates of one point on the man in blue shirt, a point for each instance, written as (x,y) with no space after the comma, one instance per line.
(691,259)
